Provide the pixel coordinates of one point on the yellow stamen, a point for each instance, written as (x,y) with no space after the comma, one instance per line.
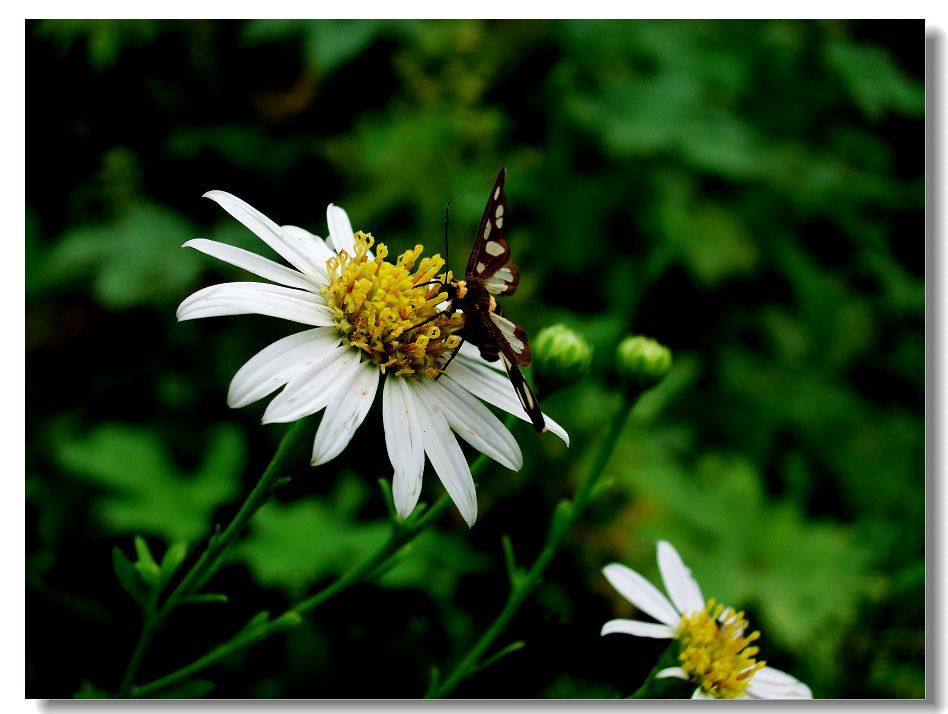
(715,652)
(376,304)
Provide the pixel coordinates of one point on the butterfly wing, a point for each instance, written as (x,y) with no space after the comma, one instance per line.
(524,393)
(511,339)
(490,254)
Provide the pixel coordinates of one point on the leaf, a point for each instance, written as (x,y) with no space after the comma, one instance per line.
(146,564)
(331,43)
(172,560)
(129,577)
(135,260)
(141,490)
(291,546)
(876,84)
(205,598)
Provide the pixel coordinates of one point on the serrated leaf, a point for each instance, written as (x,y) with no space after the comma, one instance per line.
(142,490)
(292,546)
(135,260)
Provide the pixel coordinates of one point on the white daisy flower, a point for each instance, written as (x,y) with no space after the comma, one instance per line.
(364,315)
(715,653)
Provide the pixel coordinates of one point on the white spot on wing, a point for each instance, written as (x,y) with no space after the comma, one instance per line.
(480,268)
(500,222)
(486,230)
(499,211)
(508,329)
(494,248)
(496,193)
(499,282)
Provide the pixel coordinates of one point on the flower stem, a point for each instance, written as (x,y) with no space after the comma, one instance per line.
(565,516)
(401,535)
(210,559)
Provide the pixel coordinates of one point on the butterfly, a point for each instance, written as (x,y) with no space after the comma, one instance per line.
(489,273)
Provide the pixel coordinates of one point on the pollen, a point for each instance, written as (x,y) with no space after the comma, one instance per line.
(390,310)
(715,653)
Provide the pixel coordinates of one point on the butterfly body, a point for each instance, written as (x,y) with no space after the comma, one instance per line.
(490,273)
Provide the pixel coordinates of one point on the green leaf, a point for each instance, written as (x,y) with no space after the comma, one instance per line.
(146,564)
(876,84)
(171,561)
(293,545)
(203,598)
(331,43)
(134,260)
(141,490)
(129,577)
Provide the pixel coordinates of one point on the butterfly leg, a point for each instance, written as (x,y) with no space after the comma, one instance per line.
(453,355)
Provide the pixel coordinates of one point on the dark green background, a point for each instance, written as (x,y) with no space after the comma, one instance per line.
(749,193)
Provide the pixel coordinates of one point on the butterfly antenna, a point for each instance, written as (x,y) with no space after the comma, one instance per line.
(447,265)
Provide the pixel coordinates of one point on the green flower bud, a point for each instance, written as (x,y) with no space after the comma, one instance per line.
(642,362)
(560,357)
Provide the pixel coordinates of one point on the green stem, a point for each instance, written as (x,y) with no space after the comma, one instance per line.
(566,515)
(402,534)
(210,559)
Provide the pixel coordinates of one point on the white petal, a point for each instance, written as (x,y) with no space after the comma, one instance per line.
(672,672)
(294,248)
(473,422)
(310,390)
(340,230)
(278,363)
(345,413)
(641,593)
(317,246)
(681,586)
(639,629)
(255,298)
(404,440)
(700,694)
(256,264)
(494,388)
(448,460)
(771,683)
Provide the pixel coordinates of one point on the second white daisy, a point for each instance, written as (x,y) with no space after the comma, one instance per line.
(716,650)
(364,314)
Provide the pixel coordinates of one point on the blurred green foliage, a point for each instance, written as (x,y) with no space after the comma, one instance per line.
(749,193)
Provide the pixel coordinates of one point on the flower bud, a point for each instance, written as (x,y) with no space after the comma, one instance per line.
(642,362)
(560,357)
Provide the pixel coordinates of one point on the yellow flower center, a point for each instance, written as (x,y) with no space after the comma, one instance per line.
(715,652)
(389,312)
